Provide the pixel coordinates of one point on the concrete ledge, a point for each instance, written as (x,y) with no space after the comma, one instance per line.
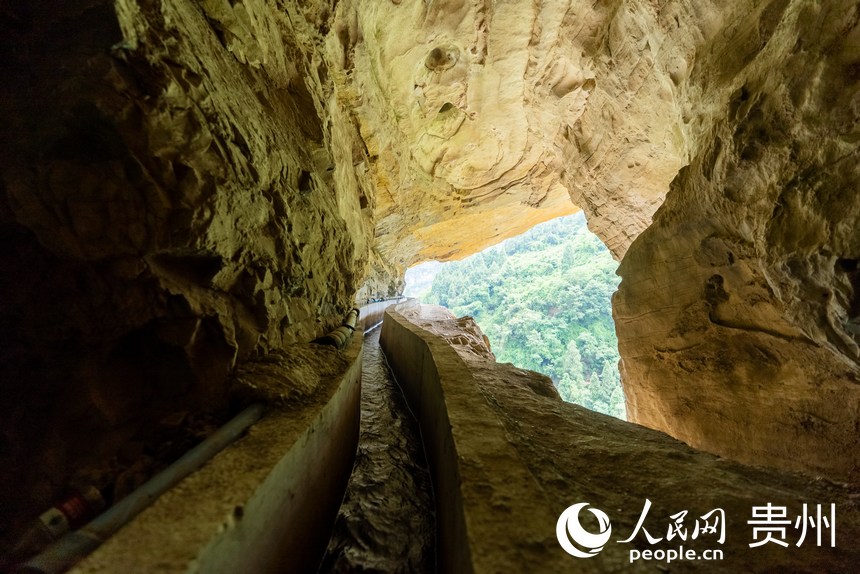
(371,314)
(508,456)
(410,357)
(266,504)
(491,516)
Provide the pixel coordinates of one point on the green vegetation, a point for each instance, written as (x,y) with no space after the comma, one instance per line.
(543,299)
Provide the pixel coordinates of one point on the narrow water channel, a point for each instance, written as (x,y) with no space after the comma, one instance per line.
(386,523)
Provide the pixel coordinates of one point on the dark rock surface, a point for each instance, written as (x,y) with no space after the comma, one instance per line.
(169,210)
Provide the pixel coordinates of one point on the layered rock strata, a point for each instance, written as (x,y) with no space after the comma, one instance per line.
(175,203)
(515,456)
(739,312)
(191,186)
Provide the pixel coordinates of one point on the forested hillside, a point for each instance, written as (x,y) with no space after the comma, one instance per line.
(543,299)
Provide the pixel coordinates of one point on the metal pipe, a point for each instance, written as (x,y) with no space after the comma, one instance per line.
(75,546)
(351,319)
(340,336)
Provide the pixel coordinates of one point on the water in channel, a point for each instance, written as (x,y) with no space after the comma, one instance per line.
(386,523)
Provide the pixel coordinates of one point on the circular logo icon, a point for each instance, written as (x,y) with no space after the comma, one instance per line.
(568,530)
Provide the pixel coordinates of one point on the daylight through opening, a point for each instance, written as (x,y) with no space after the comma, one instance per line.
(543,299)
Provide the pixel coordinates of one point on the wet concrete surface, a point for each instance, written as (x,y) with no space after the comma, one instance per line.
(386,523)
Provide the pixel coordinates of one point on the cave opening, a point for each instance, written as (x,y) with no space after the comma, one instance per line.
(543,299)
(192,194)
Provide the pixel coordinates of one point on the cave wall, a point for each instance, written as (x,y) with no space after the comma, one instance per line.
(738,311)
(485,117)
(190,186)
(441,95)
(174,204)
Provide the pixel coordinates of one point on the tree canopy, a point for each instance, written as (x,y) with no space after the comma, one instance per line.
(543,300)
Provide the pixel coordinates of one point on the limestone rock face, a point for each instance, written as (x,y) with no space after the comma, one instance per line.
(190,187)
(516,440)
(443,95)
(738,311)
(482,116)
(174,203)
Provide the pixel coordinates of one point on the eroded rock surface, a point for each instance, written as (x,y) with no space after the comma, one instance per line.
(738,311)
(174,204)
(738,314)
(485,116)
(188,187)
(565,454)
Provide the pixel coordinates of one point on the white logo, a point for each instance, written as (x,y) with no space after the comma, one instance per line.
(568,527)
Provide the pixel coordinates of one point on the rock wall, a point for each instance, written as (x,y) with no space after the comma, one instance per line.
(737,315)
(188,187)
(738,311)
(510,456)
(174,204)
(484,117)
(441,93)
